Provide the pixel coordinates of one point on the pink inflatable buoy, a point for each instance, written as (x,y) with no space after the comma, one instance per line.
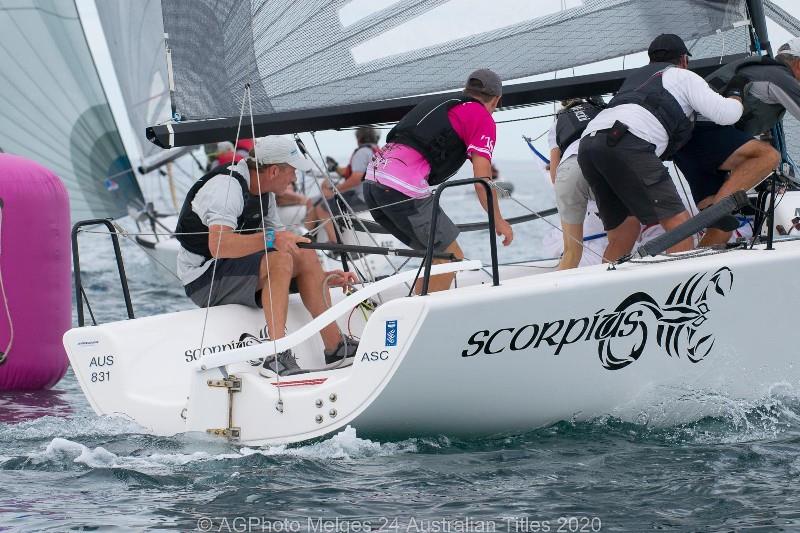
(35,297)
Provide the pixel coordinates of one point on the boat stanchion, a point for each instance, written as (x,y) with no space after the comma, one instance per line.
(80,294)
(773,191)
(429,255)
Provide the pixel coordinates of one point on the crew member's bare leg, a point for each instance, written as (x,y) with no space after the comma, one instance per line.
(673,222)
(748,165)
(621,239)
(573,245)
(442,282)
(275,303)
(310,277)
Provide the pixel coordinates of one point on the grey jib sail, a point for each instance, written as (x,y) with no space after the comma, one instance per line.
(304,56)
(54,110)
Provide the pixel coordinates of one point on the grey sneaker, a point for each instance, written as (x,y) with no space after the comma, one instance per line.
(343,354)
(284,364)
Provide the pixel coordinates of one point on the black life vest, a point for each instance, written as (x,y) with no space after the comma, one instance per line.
(427,129)
(645,87)
(195,238)
(572,121)
(758,116)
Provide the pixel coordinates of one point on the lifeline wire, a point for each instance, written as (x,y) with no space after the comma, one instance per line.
(273,335)
(219,240)
(348,209)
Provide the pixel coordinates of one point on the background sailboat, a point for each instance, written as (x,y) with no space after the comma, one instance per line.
(56,111)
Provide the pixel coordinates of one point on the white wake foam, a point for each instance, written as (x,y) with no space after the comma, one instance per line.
(342,446)
(81,426)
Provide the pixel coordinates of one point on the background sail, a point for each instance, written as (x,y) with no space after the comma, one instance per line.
(134,33)
(317,54)
(54,109)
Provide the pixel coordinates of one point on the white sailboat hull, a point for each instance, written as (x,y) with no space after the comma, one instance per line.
(664,343)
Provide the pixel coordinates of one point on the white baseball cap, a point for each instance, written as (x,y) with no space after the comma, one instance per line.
(791,48)
(275,149)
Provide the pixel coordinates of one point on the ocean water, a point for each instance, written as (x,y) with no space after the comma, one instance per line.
(62,468)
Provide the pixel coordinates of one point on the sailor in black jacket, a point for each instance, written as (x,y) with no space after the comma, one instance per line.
(720,160)
(222,259)
(649,119)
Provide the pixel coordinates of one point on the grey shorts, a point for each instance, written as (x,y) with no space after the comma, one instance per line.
(410,220)
(572,191)
(235,282)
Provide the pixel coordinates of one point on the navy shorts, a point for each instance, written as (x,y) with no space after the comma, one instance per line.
(709,147)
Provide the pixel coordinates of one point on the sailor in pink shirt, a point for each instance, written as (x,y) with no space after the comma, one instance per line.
(404,169)
(427,147)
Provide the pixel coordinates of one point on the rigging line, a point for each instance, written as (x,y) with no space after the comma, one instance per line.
(190,178)
(40,9)
(4,353)
(347,215)
(526,118)
(121,231)
(140,103)
(348,210)
(219,242)
(273,335)
(578,241)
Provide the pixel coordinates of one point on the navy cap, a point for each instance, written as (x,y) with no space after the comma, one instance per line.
(669,45)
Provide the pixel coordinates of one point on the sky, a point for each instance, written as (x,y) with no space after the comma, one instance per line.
(510,145)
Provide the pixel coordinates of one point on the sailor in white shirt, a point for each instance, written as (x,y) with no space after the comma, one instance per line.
(233,250)
(648,120)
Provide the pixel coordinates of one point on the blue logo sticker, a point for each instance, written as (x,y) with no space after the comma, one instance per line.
(391,333)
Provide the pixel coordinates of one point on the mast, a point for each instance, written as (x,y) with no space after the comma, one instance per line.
(759,22)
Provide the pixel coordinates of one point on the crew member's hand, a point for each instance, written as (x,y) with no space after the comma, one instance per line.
(286,241)
(503,229)
(331,164)
(735,87)
(340,278)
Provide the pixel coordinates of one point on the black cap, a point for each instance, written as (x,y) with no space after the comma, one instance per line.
(667,46)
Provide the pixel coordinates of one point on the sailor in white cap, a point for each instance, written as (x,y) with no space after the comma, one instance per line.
(220,231)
